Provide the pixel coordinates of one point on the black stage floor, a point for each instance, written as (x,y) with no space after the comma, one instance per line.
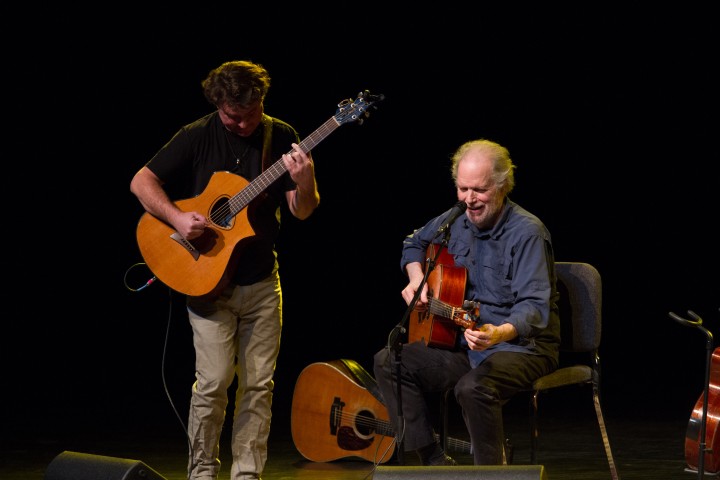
(571,448)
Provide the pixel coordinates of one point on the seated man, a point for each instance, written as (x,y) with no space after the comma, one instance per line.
(508,257)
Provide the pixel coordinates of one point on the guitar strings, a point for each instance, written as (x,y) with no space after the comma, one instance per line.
(459,315)
(438,307)
(235,204)
(384,428)
(222,215)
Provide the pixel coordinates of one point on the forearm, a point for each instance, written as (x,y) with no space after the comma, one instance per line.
(304,201)
(148,190)
(505,333)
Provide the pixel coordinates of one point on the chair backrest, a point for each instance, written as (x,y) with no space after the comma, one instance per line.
(580,303)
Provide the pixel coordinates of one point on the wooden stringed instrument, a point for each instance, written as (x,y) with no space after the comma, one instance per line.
(336,414)
(199,267)
(712,439)
(438,325)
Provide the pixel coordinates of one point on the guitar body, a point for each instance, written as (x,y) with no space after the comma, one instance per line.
(334,416)
(447,283)
(197,267)
(712,439)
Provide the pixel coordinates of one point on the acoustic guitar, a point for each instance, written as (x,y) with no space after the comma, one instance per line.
(199,267)
(336,413)
(438,325)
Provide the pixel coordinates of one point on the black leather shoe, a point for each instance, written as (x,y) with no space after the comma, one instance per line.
(444,460)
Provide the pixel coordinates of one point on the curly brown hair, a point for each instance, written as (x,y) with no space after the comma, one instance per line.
(237,83)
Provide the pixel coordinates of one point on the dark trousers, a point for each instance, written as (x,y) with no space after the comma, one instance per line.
(481,392)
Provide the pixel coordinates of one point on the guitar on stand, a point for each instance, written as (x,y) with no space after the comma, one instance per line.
(699,432)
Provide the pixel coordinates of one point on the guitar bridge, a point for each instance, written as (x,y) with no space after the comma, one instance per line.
(186,245)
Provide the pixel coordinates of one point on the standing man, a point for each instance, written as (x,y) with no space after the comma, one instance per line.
(508,256)
(235,333)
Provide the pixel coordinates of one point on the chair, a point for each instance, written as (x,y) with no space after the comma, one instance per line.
(580,288)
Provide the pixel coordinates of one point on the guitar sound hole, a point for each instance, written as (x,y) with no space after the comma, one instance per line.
(221,213)
(364,422)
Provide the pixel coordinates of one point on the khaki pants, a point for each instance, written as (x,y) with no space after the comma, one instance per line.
(236,335)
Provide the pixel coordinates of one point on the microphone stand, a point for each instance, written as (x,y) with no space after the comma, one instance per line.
(396,345)
(706,390)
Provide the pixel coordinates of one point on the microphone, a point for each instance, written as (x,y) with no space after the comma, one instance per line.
(456,211)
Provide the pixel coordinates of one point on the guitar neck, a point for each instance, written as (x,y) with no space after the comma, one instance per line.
(438,307)
(312,140)
(243,198)
(348,111)
(458,315)
(457,445)
(384,428)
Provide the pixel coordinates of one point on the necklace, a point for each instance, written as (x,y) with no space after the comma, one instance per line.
(238,158)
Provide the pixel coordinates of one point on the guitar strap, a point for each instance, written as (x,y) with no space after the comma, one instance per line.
(267,141)
(364,377)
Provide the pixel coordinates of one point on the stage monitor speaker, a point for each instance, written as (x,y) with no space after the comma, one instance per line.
(85,466)
(477,472)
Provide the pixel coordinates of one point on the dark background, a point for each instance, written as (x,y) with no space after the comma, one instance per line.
(610,116)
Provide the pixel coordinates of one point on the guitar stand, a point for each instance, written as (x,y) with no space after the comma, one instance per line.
(395,344)
(697,322)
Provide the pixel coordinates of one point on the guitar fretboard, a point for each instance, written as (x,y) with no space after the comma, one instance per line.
(456,314)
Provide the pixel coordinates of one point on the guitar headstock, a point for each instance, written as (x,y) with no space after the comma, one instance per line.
(467,318)
(357,110)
